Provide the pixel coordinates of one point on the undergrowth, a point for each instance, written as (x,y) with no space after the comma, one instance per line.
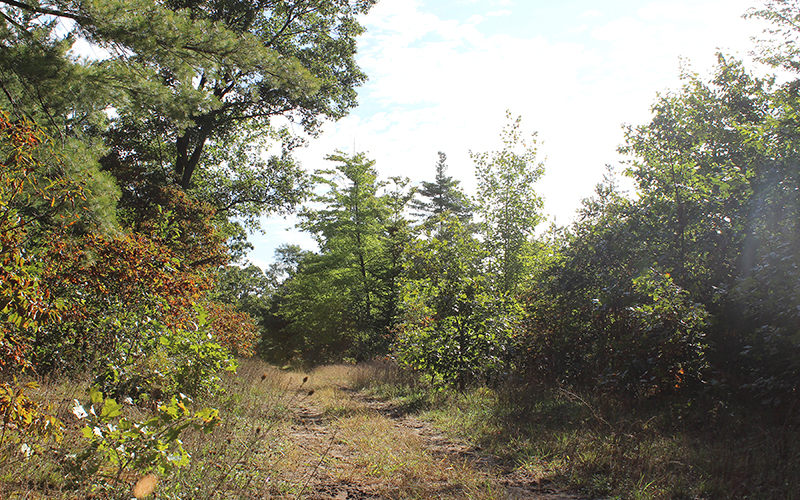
(238,458)
(603,447)
(597,447)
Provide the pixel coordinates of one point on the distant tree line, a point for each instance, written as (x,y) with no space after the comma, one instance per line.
(689,287)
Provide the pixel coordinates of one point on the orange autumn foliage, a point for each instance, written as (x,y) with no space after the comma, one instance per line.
(78,281)
(234,329)
(24,305)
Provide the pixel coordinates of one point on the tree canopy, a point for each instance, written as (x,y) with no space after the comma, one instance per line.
(208,75)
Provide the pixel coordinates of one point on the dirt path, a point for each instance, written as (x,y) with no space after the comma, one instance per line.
(356,447)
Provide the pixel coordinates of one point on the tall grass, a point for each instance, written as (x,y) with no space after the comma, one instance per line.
(605,448)
(238,459)
(291,435)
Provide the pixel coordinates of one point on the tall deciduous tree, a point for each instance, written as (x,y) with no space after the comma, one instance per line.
(398,235)
(508,203)
(351,225)
(339,297)
(454,326)
(694,165)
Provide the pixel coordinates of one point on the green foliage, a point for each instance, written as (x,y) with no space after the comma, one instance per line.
(781,49)
(508,203)
(343,300)
(278,343)
(767,286)
(694,168)
(719,210)
(231,68)
(315,309)
(454,326)
(196,359)
(601,317)
(154,361)
(666,348)
(690,286)
(242,185)
(182,93)
(247,288)
(116,444)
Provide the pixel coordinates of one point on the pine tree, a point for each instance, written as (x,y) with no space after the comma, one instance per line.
(183,78)
(444,195)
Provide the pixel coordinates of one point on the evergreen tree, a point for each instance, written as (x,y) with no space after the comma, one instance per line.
(337,299)
(444,195)
(182,77)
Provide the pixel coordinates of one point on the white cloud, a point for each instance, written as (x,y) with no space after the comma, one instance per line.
(665,11)
(499,13)
(591,13)
(619,30)
(277,231)
(442,85)
(83,49)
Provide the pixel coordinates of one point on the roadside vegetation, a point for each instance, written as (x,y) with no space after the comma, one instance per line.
(649,350)
(377,431)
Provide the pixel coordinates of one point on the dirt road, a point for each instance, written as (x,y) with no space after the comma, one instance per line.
(355,447)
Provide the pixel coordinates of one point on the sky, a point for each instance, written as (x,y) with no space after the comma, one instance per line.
(443,73)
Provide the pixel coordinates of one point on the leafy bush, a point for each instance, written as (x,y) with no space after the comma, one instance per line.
(662,346)
(471,344)
(31,190)
(454,326)
(159,361)
(116,444)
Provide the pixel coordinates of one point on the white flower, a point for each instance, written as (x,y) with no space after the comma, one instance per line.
(26,450)
(79,411)
(97,432)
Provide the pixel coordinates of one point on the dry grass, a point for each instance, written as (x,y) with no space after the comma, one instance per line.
(322,434)
(237,460)
(400,464)
(608,450)
(360,446)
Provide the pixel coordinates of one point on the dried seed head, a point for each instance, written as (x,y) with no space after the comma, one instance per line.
(145,486)
(311,392)
(258,430)
(263,377)
(305,379)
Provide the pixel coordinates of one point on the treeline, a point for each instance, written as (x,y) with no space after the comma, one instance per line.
(688,287)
